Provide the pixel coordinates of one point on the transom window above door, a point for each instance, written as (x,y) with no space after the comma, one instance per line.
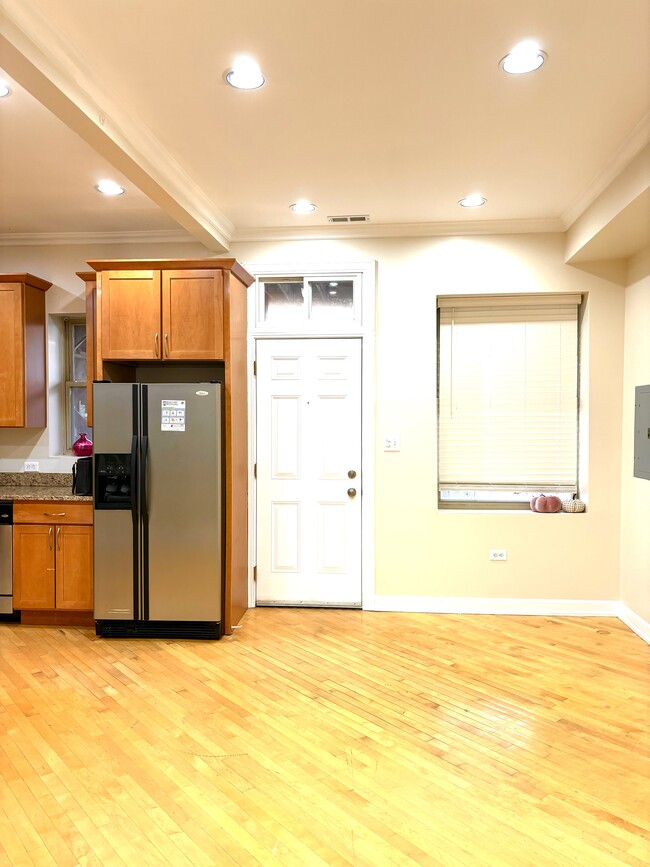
(313,303)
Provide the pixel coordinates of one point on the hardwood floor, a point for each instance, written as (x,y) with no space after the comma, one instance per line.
(329,738)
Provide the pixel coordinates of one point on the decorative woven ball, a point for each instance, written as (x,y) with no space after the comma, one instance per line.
(574,505)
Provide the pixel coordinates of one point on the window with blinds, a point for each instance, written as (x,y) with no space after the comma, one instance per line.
(507,397)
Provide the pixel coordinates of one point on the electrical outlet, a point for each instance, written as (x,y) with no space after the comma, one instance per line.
(391,443)
(30,466)
(498,554)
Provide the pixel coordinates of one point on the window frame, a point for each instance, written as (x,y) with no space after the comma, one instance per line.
(306,324)
(69,382)
(524,493)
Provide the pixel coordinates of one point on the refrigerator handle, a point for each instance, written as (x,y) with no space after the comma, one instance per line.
(134,519)
(133,476)
(144,442)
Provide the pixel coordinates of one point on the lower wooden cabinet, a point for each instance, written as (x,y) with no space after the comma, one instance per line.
(53,562)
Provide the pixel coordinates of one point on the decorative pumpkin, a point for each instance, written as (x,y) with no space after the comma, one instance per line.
(542,503)
(574,505)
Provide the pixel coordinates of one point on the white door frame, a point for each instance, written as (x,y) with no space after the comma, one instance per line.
(364,327)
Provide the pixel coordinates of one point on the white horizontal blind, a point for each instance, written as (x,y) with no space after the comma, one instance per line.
(508,384)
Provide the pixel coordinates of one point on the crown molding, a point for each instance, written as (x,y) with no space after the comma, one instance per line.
(634,144)
(46,239)
(388,230)
(398,230)
(51,69)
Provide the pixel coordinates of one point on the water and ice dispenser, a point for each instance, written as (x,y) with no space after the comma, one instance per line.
(113,481)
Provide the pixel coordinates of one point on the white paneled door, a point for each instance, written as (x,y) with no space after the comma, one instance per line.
(309,472)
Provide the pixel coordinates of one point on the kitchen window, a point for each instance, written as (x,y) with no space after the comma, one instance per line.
(75,381)
(507,399)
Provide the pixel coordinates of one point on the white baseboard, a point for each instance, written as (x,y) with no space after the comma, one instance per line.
(637,624)
(476,605)
(543,607)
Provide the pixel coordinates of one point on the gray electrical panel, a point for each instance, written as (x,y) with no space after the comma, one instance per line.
(642,431)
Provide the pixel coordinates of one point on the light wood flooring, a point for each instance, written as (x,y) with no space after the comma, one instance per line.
(329,738)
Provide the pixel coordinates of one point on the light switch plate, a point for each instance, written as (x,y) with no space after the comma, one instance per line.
(391,443)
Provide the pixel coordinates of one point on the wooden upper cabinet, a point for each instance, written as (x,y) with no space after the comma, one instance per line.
(130,315)
(192,315)
(174,315)
(23,385)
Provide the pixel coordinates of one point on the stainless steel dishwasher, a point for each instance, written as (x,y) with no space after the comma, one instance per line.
(6,579)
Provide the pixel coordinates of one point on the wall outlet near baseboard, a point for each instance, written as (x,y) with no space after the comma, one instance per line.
(30,466)
(498,554)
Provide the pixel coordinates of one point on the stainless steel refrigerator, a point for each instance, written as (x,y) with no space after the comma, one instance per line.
(158,552)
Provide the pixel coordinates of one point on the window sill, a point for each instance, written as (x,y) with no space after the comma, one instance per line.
(459,510)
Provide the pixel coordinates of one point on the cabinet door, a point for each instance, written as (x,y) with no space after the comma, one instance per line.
(11,356)
(33,566)
(130,315)
(74,567)
(192,315)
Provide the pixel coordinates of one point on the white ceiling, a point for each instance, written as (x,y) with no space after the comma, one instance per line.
(49,174)
(395,110)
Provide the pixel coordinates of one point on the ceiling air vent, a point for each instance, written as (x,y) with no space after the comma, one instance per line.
(349,218)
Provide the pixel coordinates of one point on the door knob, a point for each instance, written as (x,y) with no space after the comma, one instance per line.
(352,474)
(352,492)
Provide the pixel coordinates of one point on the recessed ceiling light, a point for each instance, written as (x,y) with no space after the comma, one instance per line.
(526,56)
(333,292)
(302,206)
(334,284)
(245,74)
(109,188)
(5,90)
(475,200)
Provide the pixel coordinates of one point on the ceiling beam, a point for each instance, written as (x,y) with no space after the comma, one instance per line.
(130,148)
(617,223)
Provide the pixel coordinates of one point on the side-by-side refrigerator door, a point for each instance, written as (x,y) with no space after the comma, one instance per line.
(116,522)
(182,500)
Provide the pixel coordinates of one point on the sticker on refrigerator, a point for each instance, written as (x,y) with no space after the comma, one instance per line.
(172,415)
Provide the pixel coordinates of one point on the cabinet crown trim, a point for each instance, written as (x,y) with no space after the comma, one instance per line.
(29,279)
(173,265)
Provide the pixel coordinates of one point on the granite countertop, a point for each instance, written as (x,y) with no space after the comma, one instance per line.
(21,487)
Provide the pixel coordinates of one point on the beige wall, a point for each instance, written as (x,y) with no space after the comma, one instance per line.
(420,550)
(635,505)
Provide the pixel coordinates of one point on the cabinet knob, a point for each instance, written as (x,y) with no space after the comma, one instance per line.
(352,492)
